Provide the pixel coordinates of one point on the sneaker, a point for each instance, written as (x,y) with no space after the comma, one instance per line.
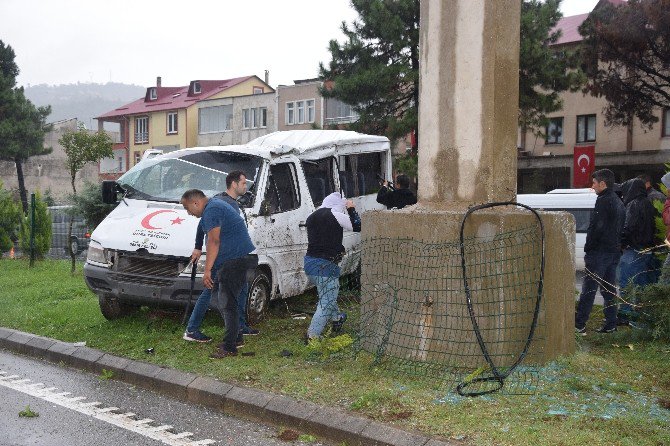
(308,338)
(249,331)
(605,329)
(337,325)
(580,331)
(240,341)
(195,336)
(220,353)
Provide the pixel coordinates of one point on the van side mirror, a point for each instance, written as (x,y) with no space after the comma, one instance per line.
(265,209)
(109,190)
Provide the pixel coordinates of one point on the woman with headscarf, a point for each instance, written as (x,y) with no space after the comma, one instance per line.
(325,231)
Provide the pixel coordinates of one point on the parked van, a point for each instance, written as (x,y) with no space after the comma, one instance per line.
(579,202)
(60,223)
(140,253)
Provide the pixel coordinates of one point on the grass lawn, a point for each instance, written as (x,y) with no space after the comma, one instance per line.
(612,391)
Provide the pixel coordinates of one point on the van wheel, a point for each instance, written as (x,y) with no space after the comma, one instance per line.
(111,308)
(259,297)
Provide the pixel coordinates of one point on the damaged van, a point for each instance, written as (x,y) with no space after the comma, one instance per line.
(139,255)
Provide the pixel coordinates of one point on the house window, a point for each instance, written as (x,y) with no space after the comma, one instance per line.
(172,123)
(666,122)
(122,131)
(310,111)
(248,118)
(142,130)
(258,90)
(290,110)
(300,106)
(215,119)
(337,112)
(262,117)
(586,128)
(137,156)
(196,88)
(153,95)
(554,131)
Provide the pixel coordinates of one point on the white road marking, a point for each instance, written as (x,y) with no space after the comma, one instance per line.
(106,414)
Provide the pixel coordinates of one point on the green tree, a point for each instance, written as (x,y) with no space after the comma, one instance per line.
(81,147)
(626,54)
(87,203)
(42,229)
(377,68)
(22,125)
(9,220)
(543,71)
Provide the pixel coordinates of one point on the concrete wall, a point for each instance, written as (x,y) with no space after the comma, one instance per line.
(48,172)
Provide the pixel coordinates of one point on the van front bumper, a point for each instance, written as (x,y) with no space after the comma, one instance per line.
(140,289)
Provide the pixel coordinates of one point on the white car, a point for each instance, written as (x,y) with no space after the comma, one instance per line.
(578,202)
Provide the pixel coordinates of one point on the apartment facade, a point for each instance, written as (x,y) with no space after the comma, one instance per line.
(168,118)
(548,162)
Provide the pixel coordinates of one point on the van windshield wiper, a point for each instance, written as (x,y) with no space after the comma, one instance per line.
(131,192)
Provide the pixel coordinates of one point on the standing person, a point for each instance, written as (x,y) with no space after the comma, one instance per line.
(229,259)
(325,232)
(398,198)
(637,265)
(665,271)
(652,193)
(236,186)
(601,253)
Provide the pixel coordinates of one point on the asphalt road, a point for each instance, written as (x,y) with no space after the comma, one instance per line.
(68,420)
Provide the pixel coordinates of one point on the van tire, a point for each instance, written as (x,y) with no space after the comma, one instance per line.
(111,308)
(259,297)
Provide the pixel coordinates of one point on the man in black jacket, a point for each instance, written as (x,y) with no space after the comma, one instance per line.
(601,253)
(637,265)
(397,198)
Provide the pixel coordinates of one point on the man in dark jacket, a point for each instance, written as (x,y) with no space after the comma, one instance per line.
(637,265)
(601,253)
(396,198)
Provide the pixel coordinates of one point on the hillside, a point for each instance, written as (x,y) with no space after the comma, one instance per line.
(83,101)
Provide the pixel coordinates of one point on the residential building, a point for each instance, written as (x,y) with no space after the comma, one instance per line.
(169,118)
(547,162)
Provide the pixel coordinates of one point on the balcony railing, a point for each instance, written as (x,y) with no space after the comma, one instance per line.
(141,138)
(342,119)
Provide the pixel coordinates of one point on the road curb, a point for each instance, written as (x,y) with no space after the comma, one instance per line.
(332,424)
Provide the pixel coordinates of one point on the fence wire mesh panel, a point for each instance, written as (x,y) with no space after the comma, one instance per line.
(407,310)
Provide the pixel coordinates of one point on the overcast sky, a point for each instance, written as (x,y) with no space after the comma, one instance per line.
(66,41)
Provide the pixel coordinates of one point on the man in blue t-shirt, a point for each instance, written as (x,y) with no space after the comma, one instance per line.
(228,260)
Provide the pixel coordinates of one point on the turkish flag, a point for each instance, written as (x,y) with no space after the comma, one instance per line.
(584,163)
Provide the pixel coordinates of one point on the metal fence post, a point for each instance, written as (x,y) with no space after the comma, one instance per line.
(32,229)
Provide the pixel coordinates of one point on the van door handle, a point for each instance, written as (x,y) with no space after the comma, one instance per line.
(302,224)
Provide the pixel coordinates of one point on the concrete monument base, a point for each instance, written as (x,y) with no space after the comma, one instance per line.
(414,303)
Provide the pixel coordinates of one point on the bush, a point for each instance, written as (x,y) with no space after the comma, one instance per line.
(654,308)
(42,229)
(9,220)
(88,203)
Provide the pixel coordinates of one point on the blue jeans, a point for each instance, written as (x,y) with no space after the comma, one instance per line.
(600,273)
(202,304)
(637,269)
(328,287)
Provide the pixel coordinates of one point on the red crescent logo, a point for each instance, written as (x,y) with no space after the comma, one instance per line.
(146,221)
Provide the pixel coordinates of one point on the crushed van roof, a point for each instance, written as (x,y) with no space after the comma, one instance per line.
(304,141)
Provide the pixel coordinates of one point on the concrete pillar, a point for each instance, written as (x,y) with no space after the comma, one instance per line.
(467,155)
(469,100)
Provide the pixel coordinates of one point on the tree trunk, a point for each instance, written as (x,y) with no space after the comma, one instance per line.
(22,185)
(629,136)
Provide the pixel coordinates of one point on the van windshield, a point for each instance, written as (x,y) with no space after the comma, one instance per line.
(167,177)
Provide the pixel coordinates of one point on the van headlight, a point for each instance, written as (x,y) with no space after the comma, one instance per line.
(199,269)
(96,254)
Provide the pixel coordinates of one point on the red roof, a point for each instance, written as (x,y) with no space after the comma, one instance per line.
(570,25)
(171,98)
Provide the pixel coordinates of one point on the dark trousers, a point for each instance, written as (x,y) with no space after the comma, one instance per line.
(600,273)
(231,278)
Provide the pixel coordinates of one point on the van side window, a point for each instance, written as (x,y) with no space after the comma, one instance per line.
(582,219)
(319,177)
(282,193)
(358,173)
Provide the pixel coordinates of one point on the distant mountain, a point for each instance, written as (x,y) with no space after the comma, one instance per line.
(83,101)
